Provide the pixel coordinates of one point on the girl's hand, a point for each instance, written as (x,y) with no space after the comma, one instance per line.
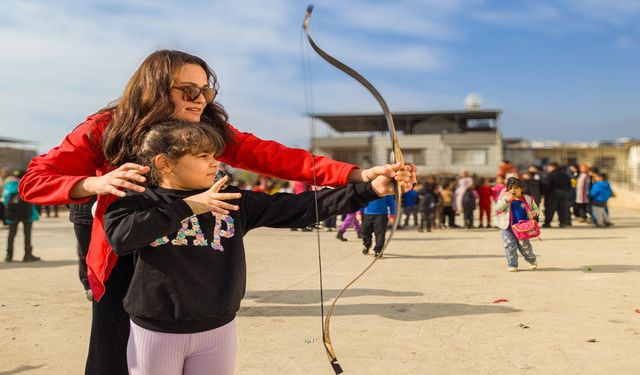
(405,177)
(532,214)
(212,201)
(126,177)
(384,175)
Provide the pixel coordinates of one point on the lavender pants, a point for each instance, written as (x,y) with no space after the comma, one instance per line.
(349,221)
(204,353)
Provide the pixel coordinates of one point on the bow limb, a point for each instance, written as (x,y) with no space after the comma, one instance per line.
(396,157)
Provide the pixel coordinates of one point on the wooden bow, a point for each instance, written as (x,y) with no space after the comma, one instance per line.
(396,157)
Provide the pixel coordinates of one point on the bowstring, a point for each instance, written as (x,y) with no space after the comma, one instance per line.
(309,108)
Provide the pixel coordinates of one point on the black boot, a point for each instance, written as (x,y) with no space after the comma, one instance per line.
(28,256)
(9,257)
(340,236)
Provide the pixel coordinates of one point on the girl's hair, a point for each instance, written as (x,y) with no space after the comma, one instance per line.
(513,181)
(173,139)
(146,101)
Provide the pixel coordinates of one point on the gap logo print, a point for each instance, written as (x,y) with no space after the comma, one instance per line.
(190,227)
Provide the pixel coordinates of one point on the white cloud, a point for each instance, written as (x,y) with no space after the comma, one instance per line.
(625,42)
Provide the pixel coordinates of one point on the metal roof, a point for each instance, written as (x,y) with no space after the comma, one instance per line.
(15,140)
(404,121)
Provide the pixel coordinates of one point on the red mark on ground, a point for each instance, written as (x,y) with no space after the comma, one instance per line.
(505,300)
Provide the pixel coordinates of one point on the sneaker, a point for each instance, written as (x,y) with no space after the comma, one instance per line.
(378,254)
(89,295)
(340,236)
(365,250)
(533,265)
(512,269)
(31,258)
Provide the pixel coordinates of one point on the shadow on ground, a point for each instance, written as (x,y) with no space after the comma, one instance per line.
(427,238)
(18,263)
(20,369)
(595,268)
(450,256)
(310,296)
(397,311)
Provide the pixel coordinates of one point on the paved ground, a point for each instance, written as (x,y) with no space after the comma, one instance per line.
(426,308)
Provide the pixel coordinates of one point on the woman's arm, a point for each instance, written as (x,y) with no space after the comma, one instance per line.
(51,177)
(274,159)
(294,164)
(67,173)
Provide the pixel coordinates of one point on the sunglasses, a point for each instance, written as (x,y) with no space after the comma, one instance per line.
(191,93)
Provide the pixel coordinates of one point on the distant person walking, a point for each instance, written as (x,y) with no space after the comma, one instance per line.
(410,200)
(469,205)
(447,205)
(557,190)
(18,211)
(350,220)
(583,186)
(600,193)
(427,203)
(534,183)
(484,202)
(376,216)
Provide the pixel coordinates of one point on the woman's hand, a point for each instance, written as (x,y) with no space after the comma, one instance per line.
(384,175)
(126,177)
(212,201)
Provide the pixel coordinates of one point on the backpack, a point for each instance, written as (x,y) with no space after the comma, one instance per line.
(17,209)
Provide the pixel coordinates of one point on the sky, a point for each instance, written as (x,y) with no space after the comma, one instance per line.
(563,70)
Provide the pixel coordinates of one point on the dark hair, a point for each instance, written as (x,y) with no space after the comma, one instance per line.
(513,181)
(174,139)
(146,101)
(553,164)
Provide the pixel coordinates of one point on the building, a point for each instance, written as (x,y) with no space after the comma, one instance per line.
(443,142)
(620,159)
(16,153)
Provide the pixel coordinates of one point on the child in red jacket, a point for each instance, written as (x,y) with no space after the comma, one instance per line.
(484,201)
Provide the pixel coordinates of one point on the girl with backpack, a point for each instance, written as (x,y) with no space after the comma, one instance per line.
(514,207)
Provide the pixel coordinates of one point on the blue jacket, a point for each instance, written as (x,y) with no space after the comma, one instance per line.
(11,188)
(379,206)
(410,198)
(600,192)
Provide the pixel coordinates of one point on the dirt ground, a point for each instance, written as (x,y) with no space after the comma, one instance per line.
(426,308)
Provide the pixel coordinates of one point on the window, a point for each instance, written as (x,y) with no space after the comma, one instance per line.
(472,157)
(606,162)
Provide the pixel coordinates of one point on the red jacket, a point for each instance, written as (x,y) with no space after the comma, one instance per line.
(51,176)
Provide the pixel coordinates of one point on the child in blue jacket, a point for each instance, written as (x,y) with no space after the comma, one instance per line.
(599,194)
(374,221)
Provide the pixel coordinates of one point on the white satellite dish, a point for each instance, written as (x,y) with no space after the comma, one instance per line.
(472,102)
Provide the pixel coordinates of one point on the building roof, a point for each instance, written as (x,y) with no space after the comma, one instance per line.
(404,121)
(15,140)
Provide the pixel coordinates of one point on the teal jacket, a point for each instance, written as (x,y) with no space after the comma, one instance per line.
(9,189)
